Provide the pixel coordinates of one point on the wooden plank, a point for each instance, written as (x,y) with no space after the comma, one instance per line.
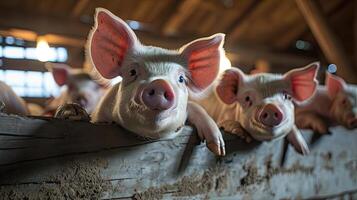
(327,40)
(80,160)
(185,9)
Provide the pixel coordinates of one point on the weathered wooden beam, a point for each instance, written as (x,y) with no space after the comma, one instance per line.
(255,9)
(46,158)
(299,27)
(327,40)
(43,24)
(184,10)
(52,39)
(78,8)
(284,61)
(21,64)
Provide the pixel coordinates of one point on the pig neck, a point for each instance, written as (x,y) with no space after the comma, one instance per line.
(320,103)
(218,110)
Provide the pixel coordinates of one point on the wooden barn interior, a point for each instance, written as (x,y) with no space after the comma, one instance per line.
(264,35)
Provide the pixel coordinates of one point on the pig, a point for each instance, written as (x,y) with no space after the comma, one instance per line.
(334,103)
(262,105)
(81,88)
(152,98)
(10,103)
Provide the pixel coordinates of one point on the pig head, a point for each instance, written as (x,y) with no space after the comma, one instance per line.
(80,87)
(335,103)
(266,109)
(266,100)
(343,101)
(152,98)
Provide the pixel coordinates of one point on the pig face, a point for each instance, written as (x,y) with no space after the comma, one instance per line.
(152,98)
(266,100)
(81,88)
(343,101)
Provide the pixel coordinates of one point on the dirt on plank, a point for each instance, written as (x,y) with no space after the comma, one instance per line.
(77,180)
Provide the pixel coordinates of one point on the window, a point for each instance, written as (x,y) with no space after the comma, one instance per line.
(16,48)
(30,83)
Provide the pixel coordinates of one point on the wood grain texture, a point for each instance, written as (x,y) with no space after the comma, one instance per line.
(60,159)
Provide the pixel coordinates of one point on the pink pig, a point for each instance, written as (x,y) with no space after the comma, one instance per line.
(335,103)
(80,88)
(262,104)
(152,99)
(10,103)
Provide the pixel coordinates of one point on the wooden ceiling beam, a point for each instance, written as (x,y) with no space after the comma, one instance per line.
(185,9)
(50,38)
(300,27)
(327,40)
(43,24)
(235,30)
(79,7)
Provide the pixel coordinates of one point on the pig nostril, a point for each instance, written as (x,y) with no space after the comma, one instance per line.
(276,115)
(265,115)
(152,92)
(167,96)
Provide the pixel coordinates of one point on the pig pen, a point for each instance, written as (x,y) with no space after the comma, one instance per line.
(56,159)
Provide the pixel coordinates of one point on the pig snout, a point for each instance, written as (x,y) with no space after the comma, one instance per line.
(158,95)
(270,115)
(351,121)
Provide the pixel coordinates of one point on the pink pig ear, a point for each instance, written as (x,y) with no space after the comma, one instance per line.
(303,81)
(59,71)
(203,56)
(228,86)
(110,41)
(334,84)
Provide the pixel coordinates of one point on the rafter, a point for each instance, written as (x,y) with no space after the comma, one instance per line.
(327,40)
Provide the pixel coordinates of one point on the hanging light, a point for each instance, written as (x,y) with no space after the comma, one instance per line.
(42,49)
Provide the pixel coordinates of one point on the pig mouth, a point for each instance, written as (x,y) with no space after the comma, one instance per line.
(159,115)
(267,132)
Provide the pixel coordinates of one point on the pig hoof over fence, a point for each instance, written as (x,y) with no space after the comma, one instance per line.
(2,106)
(72,111)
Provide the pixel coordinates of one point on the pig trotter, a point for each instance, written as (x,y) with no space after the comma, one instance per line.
(2,106)
(206,128)
(72,111)
(297,140)
(235,128)
(312,121)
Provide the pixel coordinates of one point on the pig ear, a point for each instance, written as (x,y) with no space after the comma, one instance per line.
(334,84)
(109,42)
(59,71)
(203,57)
(227,88)
(303,81)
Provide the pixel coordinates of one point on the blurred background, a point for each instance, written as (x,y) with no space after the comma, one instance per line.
(269,35)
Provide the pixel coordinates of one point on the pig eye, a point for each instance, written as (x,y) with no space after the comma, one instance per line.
(344,101)
(248,101)
(247,98)
(181,79)
(286,96)
(132,72)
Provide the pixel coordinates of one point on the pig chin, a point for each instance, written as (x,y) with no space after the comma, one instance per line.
(154,124)
(261,132)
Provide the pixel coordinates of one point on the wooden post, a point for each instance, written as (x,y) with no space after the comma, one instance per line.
(327,40)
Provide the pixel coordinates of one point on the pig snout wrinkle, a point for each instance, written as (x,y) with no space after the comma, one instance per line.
(158,95)
(270,115)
